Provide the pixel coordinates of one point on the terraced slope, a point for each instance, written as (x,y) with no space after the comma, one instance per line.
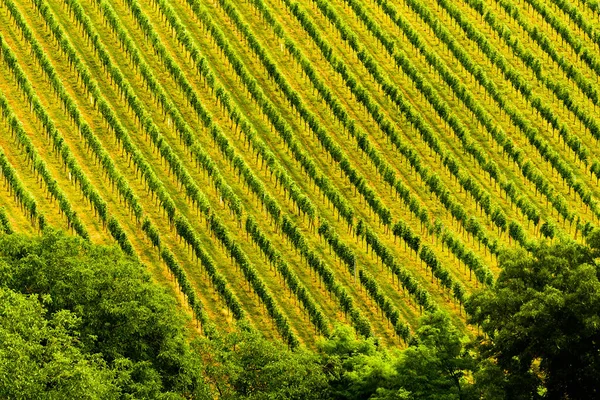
(295,165)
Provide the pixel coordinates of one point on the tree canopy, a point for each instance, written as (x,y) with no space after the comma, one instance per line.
(245,365)
(40,354)
(541,322)
(70,303)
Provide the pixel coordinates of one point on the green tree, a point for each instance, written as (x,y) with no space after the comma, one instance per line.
(437,364)
(40,357)
(356,368)
(388,394)
(245,365)
(542,324)
(122,316)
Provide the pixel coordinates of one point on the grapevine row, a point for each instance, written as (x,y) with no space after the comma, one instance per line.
(543,148)
(586,55)
(340,113)
(391,312)
(431,179)
(153,185)
(69,161)
(276,259)
(445,112)
(479,194)
(531,173)
(39,166)
(521,85)
(274,210)
(422,297)
(187,289)
(346,303)
(165,150)
(151,33)
(342,251)
(277,121)
(348,257)
(362,141)
(5,226)
(302,202)
(296,103)
(17,189)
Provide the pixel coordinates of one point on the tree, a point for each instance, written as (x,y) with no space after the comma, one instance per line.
(387,394)
(436,364)
(355,367)
(541,323)
(245,365)
(39,356)
(124,320)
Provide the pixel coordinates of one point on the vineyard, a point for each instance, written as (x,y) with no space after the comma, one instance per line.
(292,165)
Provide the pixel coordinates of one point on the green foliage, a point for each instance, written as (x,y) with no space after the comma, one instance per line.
(247,366)
(85,319)
(100,316)
(355,367)
(40,356)
(109,318)
(436,365)
(5,226)
(541,321)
